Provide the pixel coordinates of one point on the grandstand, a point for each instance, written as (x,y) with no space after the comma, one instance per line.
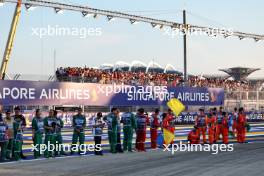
(148,74)
(247,93)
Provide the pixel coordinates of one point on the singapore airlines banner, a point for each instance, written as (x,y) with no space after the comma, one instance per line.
(62,93)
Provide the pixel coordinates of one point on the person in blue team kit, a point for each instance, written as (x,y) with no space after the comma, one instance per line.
(98,125)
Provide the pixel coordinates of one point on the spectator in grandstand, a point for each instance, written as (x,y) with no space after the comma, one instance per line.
(37,132)
(98,125)
(91,75)
(78,124)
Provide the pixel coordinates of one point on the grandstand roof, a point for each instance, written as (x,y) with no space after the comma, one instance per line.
(239,73)
(154,67)
(216,76)
(121,65)
(171,69)
(106,66)
(137,65)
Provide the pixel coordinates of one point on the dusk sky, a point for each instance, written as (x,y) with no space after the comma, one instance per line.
(119,40)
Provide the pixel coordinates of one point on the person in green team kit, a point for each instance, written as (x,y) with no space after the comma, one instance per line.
(58,136)
(37,132)
(50,128)
(78,123)
(19,126)
(10,122)
(3,138)
(18,133)
(111,120)
(129,124)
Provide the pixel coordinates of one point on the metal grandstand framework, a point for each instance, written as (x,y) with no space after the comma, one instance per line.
(88,11)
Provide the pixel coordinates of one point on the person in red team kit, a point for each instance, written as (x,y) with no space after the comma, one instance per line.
(154,124)
(141,121)
(193,136)
(225,128)
(201,122)
(235,117)
(241,129)
(211,122)
(219,125)
(168,122)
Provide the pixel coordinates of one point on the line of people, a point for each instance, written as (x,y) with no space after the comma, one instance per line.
(139,124)
(219,123)
(11,135)
(48,131)
(12,127)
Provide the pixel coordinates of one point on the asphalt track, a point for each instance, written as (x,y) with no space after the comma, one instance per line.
(245,160)
(256,134)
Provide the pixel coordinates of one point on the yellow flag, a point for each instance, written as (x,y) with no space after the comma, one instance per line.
(176,106)
(168,136)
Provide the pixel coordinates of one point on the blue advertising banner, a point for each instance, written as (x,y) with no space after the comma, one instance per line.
(65,93)
(189,117)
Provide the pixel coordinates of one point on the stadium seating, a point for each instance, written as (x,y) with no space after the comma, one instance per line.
(93,75)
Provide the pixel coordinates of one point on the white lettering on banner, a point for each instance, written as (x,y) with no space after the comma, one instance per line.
(6,91)
(131,93)
(148,96)
(77,94)
(190,96)
(52,94)
(166,96)
(43,94)
(17,93)
(31,93)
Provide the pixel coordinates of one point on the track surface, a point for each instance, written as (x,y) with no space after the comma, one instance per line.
(245,160)
(256,134)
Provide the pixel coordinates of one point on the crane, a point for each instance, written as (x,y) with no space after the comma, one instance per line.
(11,38)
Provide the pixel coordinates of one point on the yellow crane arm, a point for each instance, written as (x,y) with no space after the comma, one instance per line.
(10,40)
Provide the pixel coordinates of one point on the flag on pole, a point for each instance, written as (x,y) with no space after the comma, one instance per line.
(168,136)
(176,106)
